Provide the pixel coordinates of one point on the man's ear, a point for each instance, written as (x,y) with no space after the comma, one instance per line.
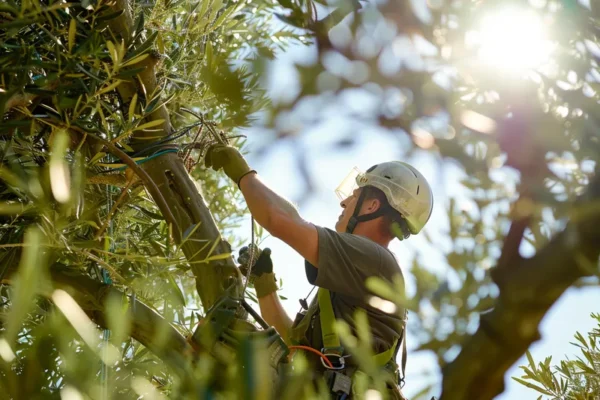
(372,205)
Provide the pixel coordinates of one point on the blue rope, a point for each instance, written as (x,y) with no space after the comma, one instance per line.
(160,153)
(107,280)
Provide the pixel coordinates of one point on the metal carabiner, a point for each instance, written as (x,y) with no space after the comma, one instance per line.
(341,363)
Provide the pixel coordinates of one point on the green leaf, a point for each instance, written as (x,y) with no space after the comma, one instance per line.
(224,15)
(135,60)
(109,88)
(96,158)
(72,32)
(204,8)
(381,288)
(112,51)
(88,73)
(175,289)
(30,278)
(532,386)
(530,360)
(60,175)
(118,319)
(222,256)
(144,46)
(132,106)
(150,124)
(139,24)
(13,208)
(128,73)
(109,16)
(156,103)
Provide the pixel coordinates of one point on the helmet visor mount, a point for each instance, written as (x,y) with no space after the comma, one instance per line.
(348,184)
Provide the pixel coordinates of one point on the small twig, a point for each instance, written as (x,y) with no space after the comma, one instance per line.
(189,151)
(105,265)
(114,208)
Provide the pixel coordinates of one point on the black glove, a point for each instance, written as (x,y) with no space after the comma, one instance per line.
(262,265)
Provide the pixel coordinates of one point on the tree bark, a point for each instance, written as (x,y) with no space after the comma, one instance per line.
(528,288)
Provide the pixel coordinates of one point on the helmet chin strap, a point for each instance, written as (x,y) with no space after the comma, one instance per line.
(398,228)
(354,219)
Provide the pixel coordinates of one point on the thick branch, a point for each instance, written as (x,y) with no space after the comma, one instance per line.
(527,291)
(147,327)
(200,230)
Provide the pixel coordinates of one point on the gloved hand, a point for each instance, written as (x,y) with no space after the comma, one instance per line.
(229,158)
(261,275)
(262,264)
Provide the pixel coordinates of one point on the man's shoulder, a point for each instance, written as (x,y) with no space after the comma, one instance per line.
(344,235)
(388,260)
(389,263)
(355,241)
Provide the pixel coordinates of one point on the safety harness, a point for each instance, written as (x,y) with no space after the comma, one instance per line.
(341,384)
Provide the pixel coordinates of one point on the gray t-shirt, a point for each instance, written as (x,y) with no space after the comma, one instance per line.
(345,262)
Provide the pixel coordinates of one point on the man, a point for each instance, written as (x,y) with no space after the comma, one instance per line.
(391,200)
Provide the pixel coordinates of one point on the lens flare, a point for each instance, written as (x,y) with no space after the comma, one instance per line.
(511,39)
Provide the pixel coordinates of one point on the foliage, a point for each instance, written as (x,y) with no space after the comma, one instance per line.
(64,79)
(572,379)
(525,147)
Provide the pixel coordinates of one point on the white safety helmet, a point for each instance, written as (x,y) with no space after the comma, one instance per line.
(405,188)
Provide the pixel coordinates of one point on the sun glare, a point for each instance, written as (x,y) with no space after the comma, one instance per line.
(511,39)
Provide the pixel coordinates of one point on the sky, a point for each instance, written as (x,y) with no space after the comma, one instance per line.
(327,165)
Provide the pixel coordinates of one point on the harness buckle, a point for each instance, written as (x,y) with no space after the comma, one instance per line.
(340,384)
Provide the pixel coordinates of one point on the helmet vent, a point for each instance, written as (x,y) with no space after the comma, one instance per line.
(418,188)
(389,177)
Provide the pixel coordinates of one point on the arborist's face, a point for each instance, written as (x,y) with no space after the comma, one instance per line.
(348,205)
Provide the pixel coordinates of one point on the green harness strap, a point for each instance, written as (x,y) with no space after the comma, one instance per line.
(331,340)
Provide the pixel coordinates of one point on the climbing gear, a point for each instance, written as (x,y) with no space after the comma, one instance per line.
(304,302)
(324,359)
(340,384)
(257,317)
(112,167)
(331,340)
(405,188)
(333,353)
(230,159)
(332,344)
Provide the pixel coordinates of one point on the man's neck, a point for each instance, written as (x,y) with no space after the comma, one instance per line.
(371,232)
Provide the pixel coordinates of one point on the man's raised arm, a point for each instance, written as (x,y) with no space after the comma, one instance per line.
(274,213)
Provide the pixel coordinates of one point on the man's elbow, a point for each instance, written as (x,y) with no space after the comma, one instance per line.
(278,224)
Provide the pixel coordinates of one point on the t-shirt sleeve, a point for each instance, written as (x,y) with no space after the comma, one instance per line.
(347,260)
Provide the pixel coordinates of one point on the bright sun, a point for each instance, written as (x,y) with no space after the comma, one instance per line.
(511,39)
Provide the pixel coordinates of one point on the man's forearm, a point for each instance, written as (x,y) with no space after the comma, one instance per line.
(273,313)
(263,202)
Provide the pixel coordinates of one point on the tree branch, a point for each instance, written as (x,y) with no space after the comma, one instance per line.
(147,327)
(213,274)
(527,291)
(145,178)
